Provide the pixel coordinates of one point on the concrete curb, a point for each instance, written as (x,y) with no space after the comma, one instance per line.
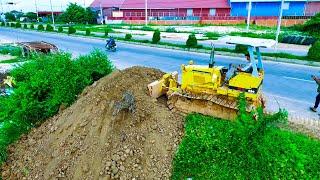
(204,51)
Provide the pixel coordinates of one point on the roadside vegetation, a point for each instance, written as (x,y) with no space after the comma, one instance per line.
(45,85)
(254,146)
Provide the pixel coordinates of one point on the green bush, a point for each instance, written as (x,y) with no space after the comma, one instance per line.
(241,49)
(171,29)
(192,41)
(212,35)
(314,51)
(128,37)
(12,50)
(13,25)
(60,29)
(156,37)
(147,28)
(18,25)
(49,28)
(32,26)
(107,30)
(71,30)
(312,26)
(3,24)
(43,85)
(245,149)
(88,32)
(40,27)
(25,26)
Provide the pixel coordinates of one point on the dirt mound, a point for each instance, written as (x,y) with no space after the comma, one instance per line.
(86,141)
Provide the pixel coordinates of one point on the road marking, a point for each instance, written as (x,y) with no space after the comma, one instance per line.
(310,81)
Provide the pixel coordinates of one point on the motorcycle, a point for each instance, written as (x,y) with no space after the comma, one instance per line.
(112,48)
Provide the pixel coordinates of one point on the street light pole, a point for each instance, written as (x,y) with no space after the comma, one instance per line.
(35,2)
(249,14)
(279,21)
(1,6)
(52,14)
(146,12)
(101,13)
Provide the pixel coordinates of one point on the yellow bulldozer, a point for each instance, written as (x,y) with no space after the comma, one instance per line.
(214,90)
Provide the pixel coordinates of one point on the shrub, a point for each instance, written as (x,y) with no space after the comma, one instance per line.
(3,23)
(107,30)
(71,30)
(18,25)
(314,51)
(60,29)
(40,27)
(25,26)
(12,50)
(171,29)
(43,85)
(32,26)
(312,26)
(13,25)
(147,28)
(212,35)
(49,28)
(88,32)
(245,148)
(241,49)
(156,37)
(128,37)
(192,41)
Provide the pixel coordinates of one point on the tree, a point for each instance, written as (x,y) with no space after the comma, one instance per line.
(312,26)
(156,37)
(40,27)
(77,14)
(31,16)
(314,51)
(49,28)
(128,37)
(88,32)
(60,29)
(71,30)
(10,16)
(192,41)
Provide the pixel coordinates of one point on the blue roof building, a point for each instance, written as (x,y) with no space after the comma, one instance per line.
(265,8)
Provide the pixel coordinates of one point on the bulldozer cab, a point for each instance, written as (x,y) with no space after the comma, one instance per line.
(253,46)
(253,80)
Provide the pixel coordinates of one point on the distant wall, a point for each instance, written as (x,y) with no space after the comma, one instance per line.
(260,22)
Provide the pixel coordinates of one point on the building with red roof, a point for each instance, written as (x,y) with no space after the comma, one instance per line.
(162,9)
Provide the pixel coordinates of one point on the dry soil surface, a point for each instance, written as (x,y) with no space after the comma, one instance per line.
(86,141)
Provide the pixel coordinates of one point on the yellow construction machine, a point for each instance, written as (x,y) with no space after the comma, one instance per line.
(214,90)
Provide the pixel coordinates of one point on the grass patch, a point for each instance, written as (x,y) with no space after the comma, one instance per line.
(245,149)
(11,50)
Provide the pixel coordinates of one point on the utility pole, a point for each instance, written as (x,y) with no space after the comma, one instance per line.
(249,14)
(35,2)
(279,21)
(146,12)
(52,14)
(101,13)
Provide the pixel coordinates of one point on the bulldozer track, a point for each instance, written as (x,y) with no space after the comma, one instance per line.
(219,106)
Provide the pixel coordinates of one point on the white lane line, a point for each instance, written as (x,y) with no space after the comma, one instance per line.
(310,81)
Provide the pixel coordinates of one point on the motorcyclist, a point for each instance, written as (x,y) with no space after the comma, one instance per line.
(111,42)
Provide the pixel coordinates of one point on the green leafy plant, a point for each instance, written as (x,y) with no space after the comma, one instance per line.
(192,41)
(18,25)
(3,23)
(40,27)
(49,28)
(88,32)
(12,50)
(128,37)
(107,30)
(312,26)
(44,84)
(60,29)
(314,51)
(25,26)
(171,29)
(32,26)
(12,24)
(156,37)
(71,30)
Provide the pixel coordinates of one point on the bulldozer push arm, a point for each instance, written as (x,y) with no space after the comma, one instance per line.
(162,86)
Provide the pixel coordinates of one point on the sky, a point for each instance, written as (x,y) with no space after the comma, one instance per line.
(43,5)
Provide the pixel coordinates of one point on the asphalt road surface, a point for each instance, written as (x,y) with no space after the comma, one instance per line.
(285,86)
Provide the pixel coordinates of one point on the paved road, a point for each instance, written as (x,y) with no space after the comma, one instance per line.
(286,85)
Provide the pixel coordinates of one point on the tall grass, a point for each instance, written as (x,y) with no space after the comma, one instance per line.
(245,149)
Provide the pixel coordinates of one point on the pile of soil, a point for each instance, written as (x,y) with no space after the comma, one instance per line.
(86,141)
